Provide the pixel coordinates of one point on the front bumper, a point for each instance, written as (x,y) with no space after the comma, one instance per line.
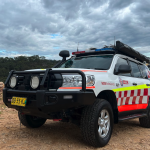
(42,102)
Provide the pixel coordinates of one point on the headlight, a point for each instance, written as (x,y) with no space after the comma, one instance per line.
(13,81)
(76,80)
(34,82)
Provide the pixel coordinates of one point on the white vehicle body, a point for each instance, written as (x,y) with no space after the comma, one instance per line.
(127,94)
(107,80)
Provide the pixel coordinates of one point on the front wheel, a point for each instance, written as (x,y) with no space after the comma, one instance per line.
(31,121)
(97,123)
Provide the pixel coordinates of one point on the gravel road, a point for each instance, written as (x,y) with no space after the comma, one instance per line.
(64,136)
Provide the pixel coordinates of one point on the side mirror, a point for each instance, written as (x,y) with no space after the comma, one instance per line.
(64,54)
(123,69)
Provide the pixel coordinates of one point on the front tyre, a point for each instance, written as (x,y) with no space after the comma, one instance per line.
(97,123)
(31,121)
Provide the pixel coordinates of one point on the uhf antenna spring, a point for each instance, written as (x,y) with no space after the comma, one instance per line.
(77,46)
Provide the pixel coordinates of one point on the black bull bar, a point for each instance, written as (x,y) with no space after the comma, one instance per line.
(80,98)
(46,73)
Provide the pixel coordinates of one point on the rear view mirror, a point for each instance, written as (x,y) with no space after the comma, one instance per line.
(124,69)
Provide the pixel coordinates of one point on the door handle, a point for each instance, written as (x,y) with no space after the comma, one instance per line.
(148,84)
(135,84)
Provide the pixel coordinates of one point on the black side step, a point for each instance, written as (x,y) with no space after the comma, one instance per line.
(132,116)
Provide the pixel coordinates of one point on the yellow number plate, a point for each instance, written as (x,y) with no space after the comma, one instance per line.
(19,101)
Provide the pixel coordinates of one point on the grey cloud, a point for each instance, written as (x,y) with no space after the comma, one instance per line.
(117,4)
(27,27)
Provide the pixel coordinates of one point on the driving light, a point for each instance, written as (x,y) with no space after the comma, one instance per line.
(34,82)
(13,81)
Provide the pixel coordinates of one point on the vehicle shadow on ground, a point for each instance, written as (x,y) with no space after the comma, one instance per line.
(54,133)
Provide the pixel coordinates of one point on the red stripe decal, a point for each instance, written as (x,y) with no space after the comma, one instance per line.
(121,103)
(88,87)
(139,92)
(125,93)
(132,107)
(140,100)
(145,92)
(132,93)
(134,99)
(119,94)
(127,101)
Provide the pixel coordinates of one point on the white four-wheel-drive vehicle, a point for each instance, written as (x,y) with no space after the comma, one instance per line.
(94,89)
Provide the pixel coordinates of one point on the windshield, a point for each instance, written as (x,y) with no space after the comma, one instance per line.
(101,62)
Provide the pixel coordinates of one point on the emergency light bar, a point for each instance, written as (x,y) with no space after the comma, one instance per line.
(79,52)
(120,48)
(105,49)
(96,50)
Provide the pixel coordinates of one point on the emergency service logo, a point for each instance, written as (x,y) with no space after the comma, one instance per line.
(121,81)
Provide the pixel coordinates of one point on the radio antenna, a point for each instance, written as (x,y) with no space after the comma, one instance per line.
(114,41)
(77,46)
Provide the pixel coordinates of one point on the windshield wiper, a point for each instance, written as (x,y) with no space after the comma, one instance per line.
(97,68)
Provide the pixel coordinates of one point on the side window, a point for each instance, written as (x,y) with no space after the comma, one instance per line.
(121,61)
(135,70)
(148,72)
(144,71)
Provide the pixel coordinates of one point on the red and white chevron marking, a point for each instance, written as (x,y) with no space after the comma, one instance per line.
(132,98)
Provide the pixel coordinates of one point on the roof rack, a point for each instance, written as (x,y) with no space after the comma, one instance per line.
(128,51)
(120,48)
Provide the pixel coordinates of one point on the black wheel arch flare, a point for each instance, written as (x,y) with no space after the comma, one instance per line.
(110,96)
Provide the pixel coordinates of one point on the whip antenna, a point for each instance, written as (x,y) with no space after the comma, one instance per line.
(77,46)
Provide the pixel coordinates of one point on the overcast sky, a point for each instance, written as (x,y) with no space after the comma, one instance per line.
(44,27)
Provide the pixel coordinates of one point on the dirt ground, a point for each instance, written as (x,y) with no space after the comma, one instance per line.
(63,136)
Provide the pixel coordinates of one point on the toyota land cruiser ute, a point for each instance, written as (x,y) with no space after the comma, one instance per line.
(94,89)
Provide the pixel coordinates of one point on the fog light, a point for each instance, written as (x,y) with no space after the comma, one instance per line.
(34,82)
(68,96)
(13,82)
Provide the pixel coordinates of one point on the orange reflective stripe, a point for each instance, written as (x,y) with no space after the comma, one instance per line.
(88,87)
(132,107)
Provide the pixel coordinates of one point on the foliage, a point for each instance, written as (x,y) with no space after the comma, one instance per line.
(21,63)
